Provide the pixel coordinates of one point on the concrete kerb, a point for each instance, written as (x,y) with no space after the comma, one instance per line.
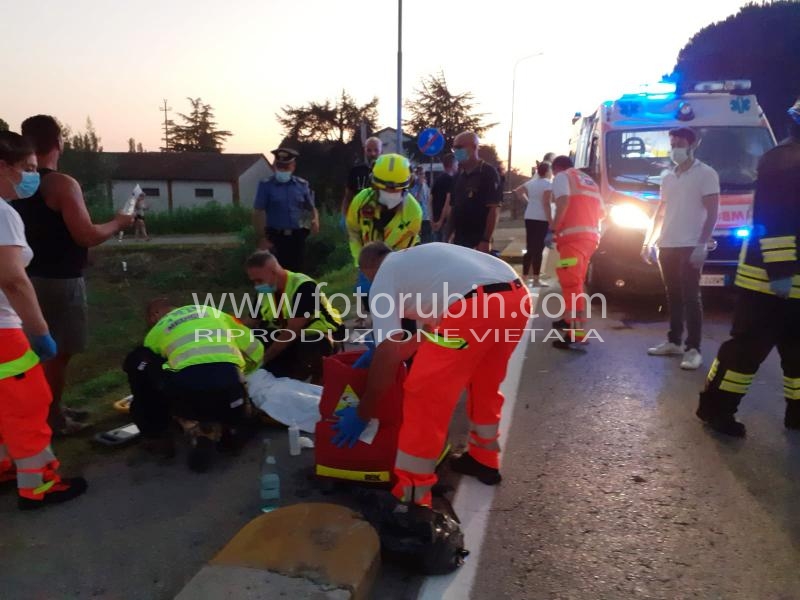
(309,550)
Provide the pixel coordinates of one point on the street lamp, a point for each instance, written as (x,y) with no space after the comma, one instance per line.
(511,126)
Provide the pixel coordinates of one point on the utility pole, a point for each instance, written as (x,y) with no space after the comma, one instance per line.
(400,77)
(166,110)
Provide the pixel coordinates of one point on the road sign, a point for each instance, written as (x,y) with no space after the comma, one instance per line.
(430,141)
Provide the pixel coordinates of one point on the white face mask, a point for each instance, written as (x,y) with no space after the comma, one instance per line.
(679,155)
(390,199)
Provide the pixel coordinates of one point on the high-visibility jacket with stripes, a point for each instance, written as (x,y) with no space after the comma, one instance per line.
(369,221)
(199,335)
(771,251)
(584,210)
(276,312)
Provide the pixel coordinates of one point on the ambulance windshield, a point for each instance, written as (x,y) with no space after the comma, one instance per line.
(637,159)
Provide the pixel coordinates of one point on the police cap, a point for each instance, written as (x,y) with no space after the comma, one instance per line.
(285,156)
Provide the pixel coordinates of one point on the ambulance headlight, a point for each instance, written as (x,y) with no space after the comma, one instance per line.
(629,216)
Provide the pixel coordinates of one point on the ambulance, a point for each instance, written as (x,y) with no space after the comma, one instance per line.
(624,145)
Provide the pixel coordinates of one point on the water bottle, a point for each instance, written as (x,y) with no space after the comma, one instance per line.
(270,481)
(294,439)
(130,205)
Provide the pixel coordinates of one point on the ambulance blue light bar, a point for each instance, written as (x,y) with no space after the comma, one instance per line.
(743,232)
(723,86)
(660,88)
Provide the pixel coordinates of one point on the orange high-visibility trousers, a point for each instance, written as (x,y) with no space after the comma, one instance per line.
(24,433)
(574,256)
(471,353)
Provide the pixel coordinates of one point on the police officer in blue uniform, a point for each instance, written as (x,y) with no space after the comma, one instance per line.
(284,212)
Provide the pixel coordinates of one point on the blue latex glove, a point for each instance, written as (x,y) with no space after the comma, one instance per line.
(365,360)
(343,223)
(363,283)
(350,426)
(44,346)
(781,287)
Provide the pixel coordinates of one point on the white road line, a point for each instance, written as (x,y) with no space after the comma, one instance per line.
(473,502)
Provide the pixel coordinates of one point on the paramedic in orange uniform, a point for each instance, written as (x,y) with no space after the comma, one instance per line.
(474,310)
(579,210)
(25,397)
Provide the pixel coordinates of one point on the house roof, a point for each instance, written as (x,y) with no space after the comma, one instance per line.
(393,131)
(186,166)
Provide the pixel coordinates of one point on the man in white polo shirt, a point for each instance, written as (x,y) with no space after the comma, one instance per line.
(685,219)
(474,308)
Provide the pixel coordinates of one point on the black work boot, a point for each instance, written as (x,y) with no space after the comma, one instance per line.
(791,418)
(201,454)
(63,491)
(466,465)
(722,421)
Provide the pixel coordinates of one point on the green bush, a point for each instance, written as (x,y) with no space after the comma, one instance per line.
(210,218)
(329,250)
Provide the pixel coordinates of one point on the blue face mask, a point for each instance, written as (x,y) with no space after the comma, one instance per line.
(28,186)
(265,288)
(461,154)
(283,176)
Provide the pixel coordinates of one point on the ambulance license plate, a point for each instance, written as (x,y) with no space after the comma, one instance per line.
(712,280)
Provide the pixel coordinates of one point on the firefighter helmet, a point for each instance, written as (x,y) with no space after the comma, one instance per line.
(392,172)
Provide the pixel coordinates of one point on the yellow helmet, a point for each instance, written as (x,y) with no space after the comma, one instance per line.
(392,172)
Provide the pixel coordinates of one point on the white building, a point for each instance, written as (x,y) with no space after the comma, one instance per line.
(388,137)
(186,179)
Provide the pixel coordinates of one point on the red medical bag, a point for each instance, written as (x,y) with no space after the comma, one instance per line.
(366,463)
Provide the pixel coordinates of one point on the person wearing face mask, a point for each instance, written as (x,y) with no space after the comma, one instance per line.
(477,196)
(284,212)
(60,231)
(767,311)
(205,353)
(681,229)
(25,396)
(385,211)
(302,324)
(359,176)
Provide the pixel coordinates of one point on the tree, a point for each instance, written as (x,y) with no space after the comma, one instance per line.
(328,122)
(436,106)
(3,125)
(131,145)
(199,133)
(760,43)
(139,147)
(83,158)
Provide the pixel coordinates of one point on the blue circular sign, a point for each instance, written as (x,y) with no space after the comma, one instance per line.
(430,141)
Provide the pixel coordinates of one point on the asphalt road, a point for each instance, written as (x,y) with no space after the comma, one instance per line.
(613,489)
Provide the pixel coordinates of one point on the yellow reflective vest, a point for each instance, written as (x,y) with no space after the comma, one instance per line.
(369,221)
(199,335)
(277,312)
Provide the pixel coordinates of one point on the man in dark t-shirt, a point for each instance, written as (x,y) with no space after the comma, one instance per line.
(477,195)
(441,193)
(360,176)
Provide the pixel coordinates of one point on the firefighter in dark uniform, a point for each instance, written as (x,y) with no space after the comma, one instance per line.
(768,308)
(284,212)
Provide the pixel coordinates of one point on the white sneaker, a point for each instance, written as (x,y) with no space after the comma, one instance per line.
(692,360)
(539,282)
(665,349)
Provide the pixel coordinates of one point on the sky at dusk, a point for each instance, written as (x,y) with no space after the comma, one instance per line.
(117,61)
